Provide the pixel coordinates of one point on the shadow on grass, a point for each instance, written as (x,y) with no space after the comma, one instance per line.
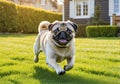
(47,77)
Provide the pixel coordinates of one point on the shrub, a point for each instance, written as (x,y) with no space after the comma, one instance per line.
(118,29)
(15,18)
(7,17)
(28,18)
(96,20)
(101,31)
(81,31)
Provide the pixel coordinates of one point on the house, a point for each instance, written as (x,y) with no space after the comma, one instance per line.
(80,11)
(45,4)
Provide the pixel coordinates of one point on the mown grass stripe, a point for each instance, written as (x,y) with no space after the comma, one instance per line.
(97,62)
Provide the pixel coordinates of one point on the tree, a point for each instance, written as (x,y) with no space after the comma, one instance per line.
(97,14)
(95,20)
(54,3)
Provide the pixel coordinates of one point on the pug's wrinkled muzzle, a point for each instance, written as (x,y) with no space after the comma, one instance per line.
(62,38)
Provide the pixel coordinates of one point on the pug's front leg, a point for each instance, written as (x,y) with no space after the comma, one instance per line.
(70,63)
(37,49)
(52,63)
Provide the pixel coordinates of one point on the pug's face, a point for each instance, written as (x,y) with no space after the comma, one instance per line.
(63,31)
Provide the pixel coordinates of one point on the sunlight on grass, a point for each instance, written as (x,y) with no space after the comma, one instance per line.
(97,62)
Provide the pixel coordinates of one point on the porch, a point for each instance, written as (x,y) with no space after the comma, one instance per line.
(115,20)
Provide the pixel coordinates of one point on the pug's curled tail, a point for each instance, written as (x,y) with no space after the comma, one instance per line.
(43,26)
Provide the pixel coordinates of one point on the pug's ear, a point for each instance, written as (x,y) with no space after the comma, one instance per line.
(52,25)
(74,25)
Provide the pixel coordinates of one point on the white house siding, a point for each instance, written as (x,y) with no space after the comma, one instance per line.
(36,3)
(47,6)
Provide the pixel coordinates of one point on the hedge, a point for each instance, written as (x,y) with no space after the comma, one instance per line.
(31,17)
(101,31)
(15,18)
(81,31)
(7,17)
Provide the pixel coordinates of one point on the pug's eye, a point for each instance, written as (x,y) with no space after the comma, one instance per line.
(69,31)
(56,31)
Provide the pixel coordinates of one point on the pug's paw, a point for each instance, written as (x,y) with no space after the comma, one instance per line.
(61,72)
(67,68)
(36,59)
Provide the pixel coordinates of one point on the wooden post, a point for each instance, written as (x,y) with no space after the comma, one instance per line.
(113,19)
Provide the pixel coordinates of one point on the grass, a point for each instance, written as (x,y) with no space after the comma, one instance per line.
(97,62)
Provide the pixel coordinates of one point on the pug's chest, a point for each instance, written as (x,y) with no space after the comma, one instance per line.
(62,57)
(63,54)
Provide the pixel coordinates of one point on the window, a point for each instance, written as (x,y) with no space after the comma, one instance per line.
(78,9)
(82,8)
(116,6)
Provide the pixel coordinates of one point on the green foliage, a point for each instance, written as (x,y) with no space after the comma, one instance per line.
(15,18)
(97,13)
(96,20)
(31,17)
(7,17)
(118,29)
(97,62)
(54,3)
(81,31)
(101,31)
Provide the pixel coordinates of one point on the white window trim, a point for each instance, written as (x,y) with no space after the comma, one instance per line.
(81,17)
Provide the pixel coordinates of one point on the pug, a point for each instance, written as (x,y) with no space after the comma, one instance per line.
(56,40)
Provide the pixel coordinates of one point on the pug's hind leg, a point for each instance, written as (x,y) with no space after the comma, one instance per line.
(37,48)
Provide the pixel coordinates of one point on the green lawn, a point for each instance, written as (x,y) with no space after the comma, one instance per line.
(97,62)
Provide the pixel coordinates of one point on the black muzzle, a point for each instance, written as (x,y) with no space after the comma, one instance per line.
(62,38)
